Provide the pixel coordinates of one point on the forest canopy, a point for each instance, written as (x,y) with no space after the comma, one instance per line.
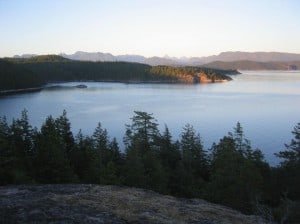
(231,172)
(17,73)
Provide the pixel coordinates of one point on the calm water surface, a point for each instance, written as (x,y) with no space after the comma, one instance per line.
(266,103)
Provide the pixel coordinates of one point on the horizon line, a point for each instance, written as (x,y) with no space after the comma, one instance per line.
(129,54)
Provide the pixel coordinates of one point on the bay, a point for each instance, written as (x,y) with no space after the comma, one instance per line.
(266,103)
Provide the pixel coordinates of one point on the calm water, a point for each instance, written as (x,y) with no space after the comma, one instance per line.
(266,103)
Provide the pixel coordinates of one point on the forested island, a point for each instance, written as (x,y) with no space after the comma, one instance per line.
(34,72)
(231,172)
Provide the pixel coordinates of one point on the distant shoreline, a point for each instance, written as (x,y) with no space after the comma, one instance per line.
(37,89)
(17,91)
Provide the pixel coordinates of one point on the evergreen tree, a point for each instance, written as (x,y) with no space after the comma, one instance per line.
(142,133)
(170,158)
(63,127)
(237,172)
(116,162)
(235,175)
(114,152)
(7,155)
(100,138)
(292,155)
(194,160)
(22,146)
(107,155)
(193,155)
(101,143)
(290,166)
(134,174)
(242,144)
(87,163)
(51,163)
(22,135)
(142,159)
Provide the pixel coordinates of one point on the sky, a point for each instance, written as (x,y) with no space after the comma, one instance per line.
(178,28)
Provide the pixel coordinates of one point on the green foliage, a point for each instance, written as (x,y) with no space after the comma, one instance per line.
(289,171)
(16,150)
(189,74)
(143,166)
(291,156)
(236,178)
(171,162)
(51,158)
(233,173)
(134,169)
(7,156)
(16,73)
(108,156)
(194,161)
(85,160)
(143,133)
(63,127)
(17,76)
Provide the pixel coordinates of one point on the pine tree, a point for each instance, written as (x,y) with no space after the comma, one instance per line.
(63,127)
(194,160)
(142,133)
(142,159)
(236,180)
(22,146)
(100,138)
(169,152)
(7,156)
(116,160)
(292,155)
(52,164)
(22,135)
(290,166)
(193,155)
(134,174)
(86,160)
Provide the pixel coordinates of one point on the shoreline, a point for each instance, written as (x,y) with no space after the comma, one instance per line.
(24,90)
(37,89)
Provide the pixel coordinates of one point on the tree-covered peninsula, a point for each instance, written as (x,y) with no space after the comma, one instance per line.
(23,73)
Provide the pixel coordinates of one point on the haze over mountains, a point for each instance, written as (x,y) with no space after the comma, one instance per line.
(166,60)
(224,60)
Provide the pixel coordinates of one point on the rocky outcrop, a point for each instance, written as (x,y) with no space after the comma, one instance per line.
(108,204)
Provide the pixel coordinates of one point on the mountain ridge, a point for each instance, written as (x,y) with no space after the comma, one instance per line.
(228,56)
(285,59)
(253,65)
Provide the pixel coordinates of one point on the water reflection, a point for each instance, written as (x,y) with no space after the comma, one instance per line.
(266,104)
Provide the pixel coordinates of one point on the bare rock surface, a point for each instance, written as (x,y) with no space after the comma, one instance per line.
(93,204)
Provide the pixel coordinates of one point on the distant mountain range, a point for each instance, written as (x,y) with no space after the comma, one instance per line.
(254,65)
(225,60)
(99,56)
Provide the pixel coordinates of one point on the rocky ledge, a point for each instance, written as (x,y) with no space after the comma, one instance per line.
(60,204)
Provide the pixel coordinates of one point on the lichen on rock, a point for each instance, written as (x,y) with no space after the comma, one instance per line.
(82,203)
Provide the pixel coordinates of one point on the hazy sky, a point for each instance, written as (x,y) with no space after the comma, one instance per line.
(149,27)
